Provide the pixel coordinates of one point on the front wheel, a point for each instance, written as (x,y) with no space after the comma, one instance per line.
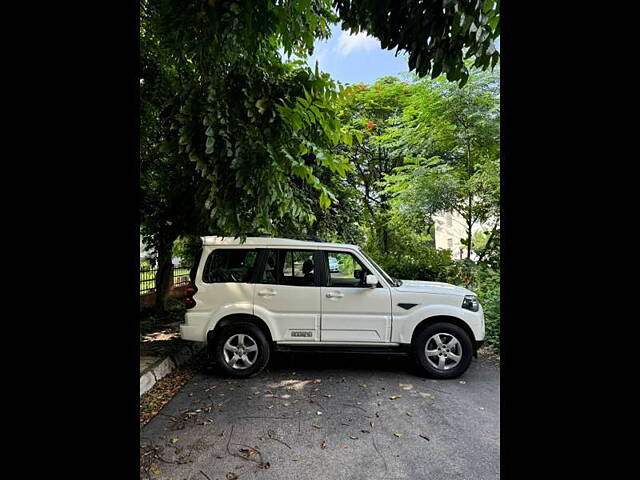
(241,350)
(442,350)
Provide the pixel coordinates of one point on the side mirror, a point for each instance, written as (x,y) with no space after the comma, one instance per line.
(372,281)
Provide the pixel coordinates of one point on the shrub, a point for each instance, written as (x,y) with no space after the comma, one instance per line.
(487,286)
(424,263)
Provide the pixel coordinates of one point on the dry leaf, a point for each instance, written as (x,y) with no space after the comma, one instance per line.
(328,395)
(232,476)
(247,452)
(398,435)
(352,437)
(296,459)
(408,414)
(324,445)
(342,446)
(174,440)
(154,469)
(316,426)
(363,385)
(394,397)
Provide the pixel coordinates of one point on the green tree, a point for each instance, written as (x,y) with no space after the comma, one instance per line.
(453,136)
(438,35)
(371,115)
(256,129)
(171,191)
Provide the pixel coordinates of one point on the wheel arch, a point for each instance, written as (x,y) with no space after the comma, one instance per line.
(445,319)
(237,317)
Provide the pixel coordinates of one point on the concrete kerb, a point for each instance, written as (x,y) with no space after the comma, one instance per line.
(166,365)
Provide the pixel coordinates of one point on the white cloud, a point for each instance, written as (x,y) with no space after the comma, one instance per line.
(348,43)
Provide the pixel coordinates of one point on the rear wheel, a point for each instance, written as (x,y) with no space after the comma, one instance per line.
(442,350)
(240,350)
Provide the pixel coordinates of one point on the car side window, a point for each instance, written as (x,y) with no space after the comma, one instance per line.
(345,270)
(289,267)
(226,265)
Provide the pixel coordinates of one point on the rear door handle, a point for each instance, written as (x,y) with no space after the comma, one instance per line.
(335,295)
(267,293)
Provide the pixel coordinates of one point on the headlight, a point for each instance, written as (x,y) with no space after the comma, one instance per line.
(470,302)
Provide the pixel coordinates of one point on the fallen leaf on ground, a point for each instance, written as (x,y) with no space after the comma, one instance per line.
(247,452)
(394,397)
(174,440)
(408,414)
(328,395)
(232,476)
(352,437)
(398,435)
(296,459)
(154,469)
(363,385)
(426,438)
(372,424)
(317,380)
(324,445)
(342,446)
(316,426)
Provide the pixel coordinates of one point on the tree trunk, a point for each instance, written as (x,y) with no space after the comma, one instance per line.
(164,275)
(470,212)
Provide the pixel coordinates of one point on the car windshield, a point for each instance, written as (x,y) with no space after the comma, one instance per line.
(393,281)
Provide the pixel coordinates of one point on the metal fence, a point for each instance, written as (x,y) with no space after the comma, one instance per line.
(148,278)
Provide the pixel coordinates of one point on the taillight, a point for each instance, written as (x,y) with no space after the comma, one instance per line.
(190,291)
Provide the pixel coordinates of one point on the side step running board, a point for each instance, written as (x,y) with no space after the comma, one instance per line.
(346,349)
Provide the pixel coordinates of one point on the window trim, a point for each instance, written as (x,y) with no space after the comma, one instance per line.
(262,261)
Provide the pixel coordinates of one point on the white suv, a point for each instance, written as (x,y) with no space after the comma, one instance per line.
(247,299)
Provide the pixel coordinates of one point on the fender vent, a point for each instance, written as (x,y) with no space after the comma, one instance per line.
(407,306)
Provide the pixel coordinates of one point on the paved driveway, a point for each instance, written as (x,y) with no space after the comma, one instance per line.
(331,416)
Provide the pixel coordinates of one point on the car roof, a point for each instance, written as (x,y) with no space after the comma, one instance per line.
(271,242)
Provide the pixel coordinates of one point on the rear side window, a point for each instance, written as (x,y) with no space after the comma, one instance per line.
(289,267)
(226,265)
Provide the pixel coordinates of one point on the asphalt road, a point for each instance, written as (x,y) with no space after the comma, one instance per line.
(302,403)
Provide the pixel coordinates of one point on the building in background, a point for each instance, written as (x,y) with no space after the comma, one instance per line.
(450,228)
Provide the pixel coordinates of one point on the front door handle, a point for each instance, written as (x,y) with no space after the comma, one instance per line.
(335,295)
(267,293)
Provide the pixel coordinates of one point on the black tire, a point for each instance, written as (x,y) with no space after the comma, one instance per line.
(255,334)
(449,329)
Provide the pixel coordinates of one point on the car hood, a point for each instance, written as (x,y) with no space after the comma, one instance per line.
(436,288)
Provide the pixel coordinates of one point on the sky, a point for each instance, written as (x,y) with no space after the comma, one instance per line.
(357,58)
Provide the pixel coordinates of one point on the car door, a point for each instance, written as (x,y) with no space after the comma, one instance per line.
(352,312)
(287,293)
